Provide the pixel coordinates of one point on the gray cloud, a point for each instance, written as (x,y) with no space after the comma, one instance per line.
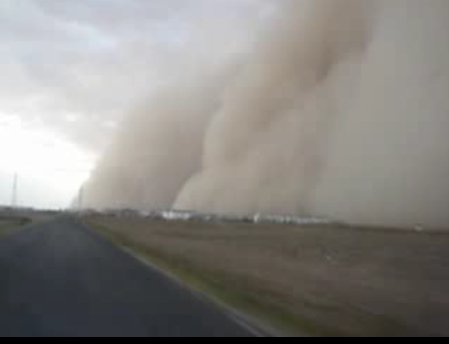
(94,60)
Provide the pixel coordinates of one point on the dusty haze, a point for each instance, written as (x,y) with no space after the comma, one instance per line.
(338,109)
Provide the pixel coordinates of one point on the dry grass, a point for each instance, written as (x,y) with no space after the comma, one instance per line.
(11,220)
(313,280)
(8,225)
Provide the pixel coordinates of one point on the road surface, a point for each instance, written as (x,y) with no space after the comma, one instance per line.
(61,279)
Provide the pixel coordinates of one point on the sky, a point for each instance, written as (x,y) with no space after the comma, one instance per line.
(71,70)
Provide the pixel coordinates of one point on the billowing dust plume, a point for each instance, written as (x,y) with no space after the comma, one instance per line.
(341,110)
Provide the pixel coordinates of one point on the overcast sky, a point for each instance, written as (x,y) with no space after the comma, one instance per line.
(70,70)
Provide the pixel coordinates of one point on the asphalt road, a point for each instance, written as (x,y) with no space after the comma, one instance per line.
(61,279)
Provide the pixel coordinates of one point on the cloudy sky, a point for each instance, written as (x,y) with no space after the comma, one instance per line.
(71,70)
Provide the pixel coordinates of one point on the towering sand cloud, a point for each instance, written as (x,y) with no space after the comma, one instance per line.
(341,109)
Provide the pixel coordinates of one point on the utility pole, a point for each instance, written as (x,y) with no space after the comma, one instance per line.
(14,191)
(80,198)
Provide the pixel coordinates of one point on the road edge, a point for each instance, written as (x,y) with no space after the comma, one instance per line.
(247,322)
